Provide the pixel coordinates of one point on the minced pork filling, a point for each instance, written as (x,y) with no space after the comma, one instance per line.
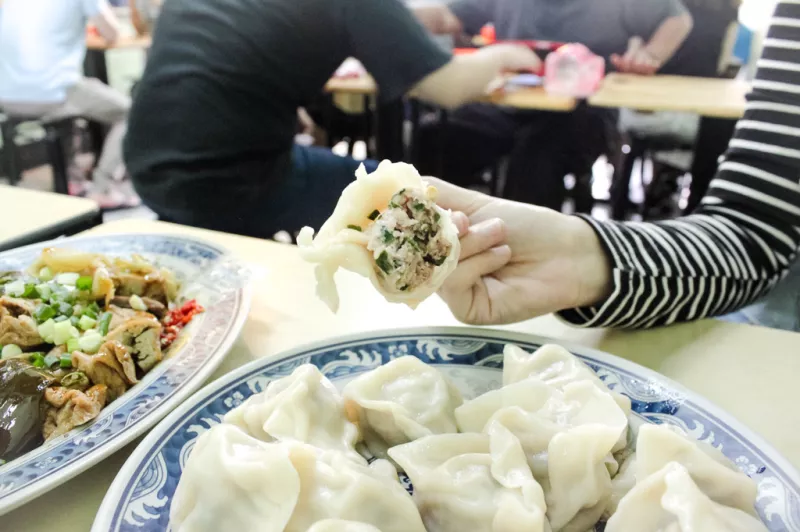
(406,241)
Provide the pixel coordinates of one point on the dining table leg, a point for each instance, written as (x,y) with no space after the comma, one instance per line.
(389,131)
(94,66)
(713,137)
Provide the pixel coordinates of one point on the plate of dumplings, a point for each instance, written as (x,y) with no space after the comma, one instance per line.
(449,430)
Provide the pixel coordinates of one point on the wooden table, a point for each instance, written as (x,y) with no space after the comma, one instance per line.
(362,86)
(751,372)
(532,98)
(28,216)
(719,102)
(715,98)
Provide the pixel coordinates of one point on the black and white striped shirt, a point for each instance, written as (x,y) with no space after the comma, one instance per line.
(745,235)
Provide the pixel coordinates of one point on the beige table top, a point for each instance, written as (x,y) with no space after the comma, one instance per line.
(363,85)
(750,372)
(25,212)
(720,98)
(532,98)
(95,42)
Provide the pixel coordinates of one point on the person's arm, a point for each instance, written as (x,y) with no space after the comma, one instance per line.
(102,17)
(651,48)
(400,54)
(466,77)
(746,233)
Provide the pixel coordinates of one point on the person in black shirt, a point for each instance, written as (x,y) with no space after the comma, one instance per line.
(210,137)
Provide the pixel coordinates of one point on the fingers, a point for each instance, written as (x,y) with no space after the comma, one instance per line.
(456,198)
(469,272)
(482,237)
(461,222)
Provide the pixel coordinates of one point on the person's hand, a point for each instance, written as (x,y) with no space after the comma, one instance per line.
(514,57)
(637,60)
(438,19)
(519,261)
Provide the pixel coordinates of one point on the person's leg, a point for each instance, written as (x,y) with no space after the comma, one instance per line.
(96,101)
(470,140)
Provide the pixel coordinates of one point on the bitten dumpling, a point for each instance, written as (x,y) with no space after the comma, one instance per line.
(669,500)
(475,482)
(399,402)
(388,228)
(304,406)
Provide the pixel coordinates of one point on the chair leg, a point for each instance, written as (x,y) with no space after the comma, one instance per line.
(10,163)
(58,159)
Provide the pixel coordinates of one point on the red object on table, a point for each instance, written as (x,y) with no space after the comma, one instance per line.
(489,34)
(177,319)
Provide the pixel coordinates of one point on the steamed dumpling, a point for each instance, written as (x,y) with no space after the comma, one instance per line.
(387,228)
(554,365)
(669,500)
(567,436)
(234,482)
(303,406)
(475,482)
(337,525)
(399,402)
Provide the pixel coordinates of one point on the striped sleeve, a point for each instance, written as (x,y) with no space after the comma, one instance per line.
(743,238)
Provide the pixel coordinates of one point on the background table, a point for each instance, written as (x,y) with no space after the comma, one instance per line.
(29,216)
(750,372)
(532,98)
(719,102)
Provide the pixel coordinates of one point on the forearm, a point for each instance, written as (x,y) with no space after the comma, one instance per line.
(107,24)
(746,233)
(669,37)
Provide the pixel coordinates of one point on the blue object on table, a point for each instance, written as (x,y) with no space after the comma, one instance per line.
(744,44)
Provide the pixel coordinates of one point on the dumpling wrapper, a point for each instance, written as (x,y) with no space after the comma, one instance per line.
(336,246)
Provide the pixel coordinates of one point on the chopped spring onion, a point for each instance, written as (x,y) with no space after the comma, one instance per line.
(44,313)
(45,274)
(90,342)
(37,359)
(47,330)
(15,288)
(51,360)
(72,345)
(354,227)
(374,215)
(63,331)
(65,361)
(30,291)
(67,279)
(436,216)
(418,206)
(388,236)
(383,262)
(84,283)
(59,319)
(65,309)
(137,303)
(75,380)
(92,311)
(86,322)
(44,290)
(11,350)
(103,323)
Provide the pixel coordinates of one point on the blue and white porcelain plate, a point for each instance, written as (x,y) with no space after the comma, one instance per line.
(139,499)
(207,273)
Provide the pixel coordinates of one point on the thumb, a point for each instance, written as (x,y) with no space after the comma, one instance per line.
(456,198)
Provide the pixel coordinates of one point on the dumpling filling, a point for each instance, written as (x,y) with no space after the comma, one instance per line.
(406,241)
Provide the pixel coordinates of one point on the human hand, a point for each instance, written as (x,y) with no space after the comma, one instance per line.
(438,19)
(637,59)
(514,57)
(519,261)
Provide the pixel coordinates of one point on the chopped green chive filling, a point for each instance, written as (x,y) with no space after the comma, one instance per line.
(374,215)
(354,227)
(384,263)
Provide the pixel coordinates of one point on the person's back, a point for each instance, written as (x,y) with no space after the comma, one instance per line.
(210,135)
(42,44)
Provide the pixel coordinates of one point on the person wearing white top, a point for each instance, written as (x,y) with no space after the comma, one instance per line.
(42,47)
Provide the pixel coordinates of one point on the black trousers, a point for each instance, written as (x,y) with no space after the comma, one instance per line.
(542,148)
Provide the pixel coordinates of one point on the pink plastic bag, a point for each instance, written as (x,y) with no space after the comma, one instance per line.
(573,70)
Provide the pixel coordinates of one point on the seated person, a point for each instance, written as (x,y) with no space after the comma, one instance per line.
(42,46)
(210,139)
(549,145)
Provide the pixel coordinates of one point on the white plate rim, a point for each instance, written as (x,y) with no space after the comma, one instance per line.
(105,513)
(38,488)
